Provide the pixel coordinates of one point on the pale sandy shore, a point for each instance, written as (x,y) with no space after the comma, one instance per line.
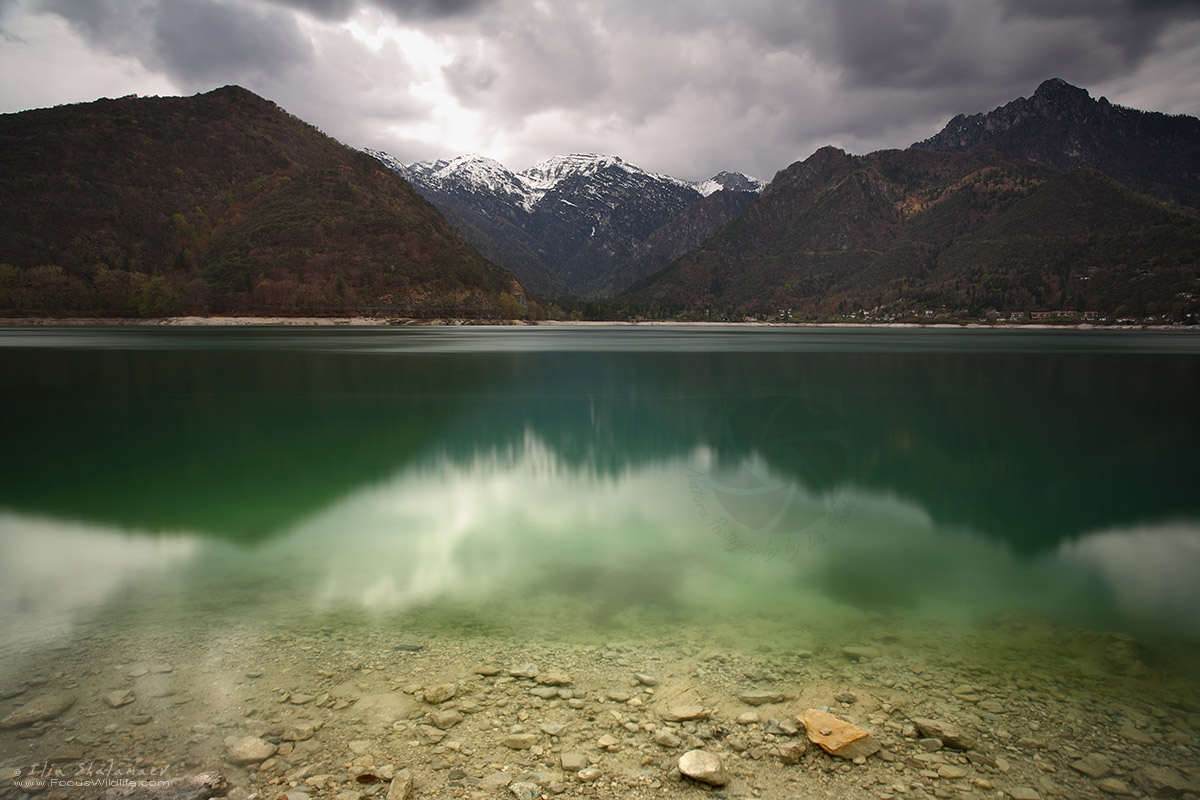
(355,321)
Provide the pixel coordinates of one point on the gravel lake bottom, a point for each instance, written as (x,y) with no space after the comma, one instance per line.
(1019,708)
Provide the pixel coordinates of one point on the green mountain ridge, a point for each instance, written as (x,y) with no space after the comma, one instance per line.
(895,235)
(221,203)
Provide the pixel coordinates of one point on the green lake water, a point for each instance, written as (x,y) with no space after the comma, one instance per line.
(781,488)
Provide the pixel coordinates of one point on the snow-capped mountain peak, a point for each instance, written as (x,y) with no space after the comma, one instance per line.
(734,181)
(565,223)
(548,173)
(475,173)
(471,171)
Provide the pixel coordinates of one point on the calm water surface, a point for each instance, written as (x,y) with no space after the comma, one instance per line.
(754,486)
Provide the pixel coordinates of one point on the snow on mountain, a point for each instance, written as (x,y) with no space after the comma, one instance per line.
(527,188)
(471,172)
(565,223)
(546,175)
(735,181)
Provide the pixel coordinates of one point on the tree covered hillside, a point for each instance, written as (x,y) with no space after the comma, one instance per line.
(903,234)
(221,203)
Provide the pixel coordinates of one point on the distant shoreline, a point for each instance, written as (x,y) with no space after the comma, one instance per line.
(381,322)
(378,322)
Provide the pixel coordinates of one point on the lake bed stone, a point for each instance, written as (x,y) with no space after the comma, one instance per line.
(194,787)
(1094,765)
(665,738)
(951,735)
(495,781)
(790,752)
(40,709)
(860,652)
(573,762)
(1159,781)
(554,677)
(401,786)
(703,766)
(445,720)
(1114,786)
(683,713)
(525,790)
(761,698)
(436,695)
(520,741)
(249,750)
(838,737)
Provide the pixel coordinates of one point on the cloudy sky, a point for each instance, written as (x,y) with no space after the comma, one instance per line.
(685,87)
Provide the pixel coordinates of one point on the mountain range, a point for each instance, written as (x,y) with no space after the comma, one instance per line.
(566,224)
(1053,205)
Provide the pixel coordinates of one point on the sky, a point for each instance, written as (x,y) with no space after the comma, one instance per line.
(682,87)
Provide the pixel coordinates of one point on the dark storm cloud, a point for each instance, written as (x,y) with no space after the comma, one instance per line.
(112,24)
(1132,27)
(681,86)
(944,43)
(900,43)
(201,42)
(195,42)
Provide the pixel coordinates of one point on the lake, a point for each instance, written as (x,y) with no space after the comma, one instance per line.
(215,519)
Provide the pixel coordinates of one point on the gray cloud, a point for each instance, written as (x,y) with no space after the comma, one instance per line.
(402,9)
(195,42)
(904,43)
(1128,27)
(201,42)
(688,87)
(552,58)
(323,9)
(704,85)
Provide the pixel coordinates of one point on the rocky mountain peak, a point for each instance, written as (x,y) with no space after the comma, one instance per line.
(1057,98)
(811,171)
(1061,127)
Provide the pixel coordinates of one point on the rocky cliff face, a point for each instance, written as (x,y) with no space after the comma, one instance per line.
(1061,127)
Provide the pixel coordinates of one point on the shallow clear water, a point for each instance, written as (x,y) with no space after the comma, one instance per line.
(209,534)
(750,485)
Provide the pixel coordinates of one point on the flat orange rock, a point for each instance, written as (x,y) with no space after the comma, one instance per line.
(837,737)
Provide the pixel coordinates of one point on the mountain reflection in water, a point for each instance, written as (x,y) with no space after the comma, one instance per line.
(599,479)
